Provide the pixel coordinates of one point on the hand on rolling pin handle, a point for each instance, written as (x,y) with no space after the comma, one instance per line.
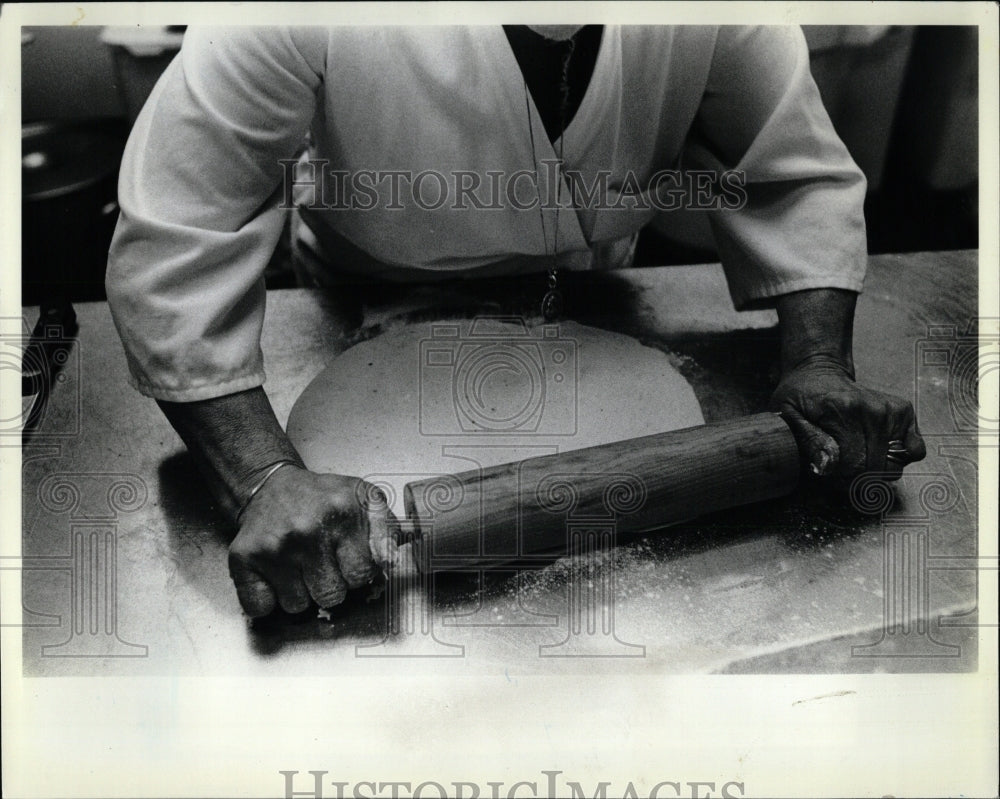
(307,537)
(844,429)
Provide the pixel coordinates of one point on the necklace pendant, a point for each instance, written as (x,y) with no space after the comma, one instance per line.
(552,305)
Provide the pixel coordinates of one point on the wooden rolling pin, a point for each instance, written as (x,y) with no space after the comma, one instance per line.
(489,517)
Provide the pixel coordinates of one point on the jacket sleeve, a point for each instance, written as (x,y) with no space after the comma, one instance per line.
(199,190)
(799,222)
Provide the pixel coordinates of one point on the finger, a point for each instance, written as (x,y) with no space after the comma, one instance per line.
(877,423)
(348,539)
(284,581)
(256,596)
(383,533)
(355,561)
(907,432)
(905,444)
(293,596)
(916,449)
(893,468)
(849,432)
(325,583)
(818,449)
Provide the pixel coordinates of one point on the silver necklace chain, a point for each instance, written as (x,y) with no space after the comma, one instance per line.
(552,302)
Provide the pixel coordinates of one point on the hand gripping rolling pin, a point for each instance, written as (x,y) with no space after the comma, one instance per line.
(485,518)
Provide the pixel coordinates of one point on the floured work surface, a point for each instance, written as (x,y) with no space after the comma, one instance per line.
(795,584)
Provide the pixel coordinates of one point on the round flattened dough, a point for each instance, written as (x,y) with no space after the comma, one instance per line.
(444,397)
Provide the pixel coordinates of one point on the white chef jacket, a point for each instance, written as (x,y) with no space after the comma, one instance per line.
(202,176)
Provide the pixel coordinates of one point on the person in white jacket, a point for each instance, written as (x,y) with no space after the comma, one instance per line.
(456,151)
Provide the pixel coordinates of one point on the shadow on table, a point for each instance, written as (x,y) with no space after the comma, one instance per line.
(803,522)
(199,536)
(601,299)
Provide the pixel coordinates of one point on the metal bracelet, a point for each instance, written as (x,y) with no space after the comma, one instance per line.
(260,484)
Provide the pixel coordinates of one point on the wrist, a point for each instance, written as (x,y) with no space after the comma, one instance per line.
(235,439)
(825,362)
(260,479)
(816,331)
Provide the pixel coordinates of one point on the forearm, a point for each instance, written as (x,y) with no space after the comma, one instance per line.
(234,439)
(817,326)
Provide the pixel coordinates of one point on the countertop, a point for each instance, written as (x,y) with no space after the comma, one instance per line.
(124,559)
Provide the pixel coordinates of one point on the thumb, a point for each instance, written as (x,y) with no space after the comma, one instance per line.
(817,448)
(382,531)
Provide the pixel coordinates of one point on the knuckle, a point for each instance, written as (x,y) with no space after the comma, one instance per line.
(269,546)
(245,550)
(238,555)
(302,523)
(365,492)
(343,500)
(852,402)
(902,406)
(834,407)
